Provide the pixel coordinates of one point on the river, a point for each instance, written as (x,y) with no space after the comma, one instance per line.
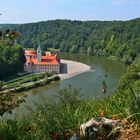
(89,83)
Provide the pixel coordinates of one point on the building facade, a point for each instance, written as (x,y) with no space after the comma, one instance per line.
(35,62)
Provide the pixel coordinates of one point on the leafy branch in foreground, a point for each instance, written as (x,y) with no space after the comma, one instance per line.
(6,101)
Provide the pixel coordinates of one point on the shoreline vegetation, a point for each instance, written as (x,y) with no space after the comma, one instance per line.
(28,82)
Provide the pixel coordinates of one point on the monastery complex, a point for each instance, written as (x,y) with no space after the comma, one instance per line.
(36,62)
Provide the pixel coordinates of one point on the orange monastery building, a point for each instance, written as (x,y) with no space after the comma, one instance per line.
(35,62)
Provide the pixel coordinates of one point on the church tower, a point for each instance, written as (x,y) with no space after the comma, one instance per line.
(39,53)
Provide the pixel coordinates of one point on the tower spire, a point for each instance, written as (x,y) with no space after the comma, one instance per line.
(39,52)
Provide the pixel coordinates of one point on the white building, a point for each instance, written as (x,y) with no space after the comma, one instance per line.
(35,62)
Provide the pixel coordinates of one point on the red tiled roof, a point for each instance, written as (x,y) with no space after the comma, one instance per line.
(30,54)
(30,51)
(49,57)
(46,60)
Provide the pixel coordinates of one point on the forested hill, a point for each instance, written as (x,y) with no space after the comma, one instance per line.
(119,38)
(7,25)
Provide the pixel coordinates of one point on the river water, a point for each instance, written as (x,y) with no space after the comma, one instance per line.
(89,83)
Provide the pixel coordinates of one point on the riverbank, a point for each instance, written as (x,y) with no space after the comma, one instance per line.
(28,82)
(68,69)
(72,68)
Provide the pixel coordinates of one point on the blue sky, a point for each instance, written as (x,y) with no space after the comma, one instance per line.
(24,11)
